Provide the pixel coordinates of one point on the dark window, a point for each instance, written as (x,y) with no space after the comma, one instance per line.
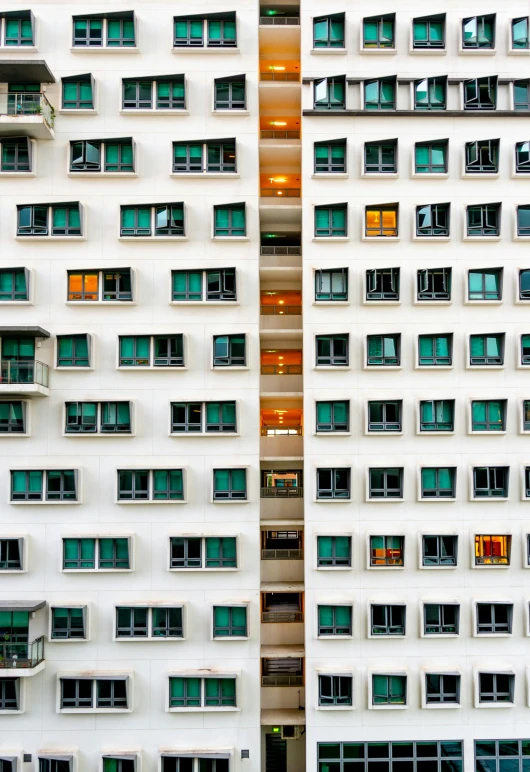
(492,754)
(333,551)
(496,687)
(117,285)
(61,485)
(9,693)
(432,220)
(523,220)
(526,415)
(430,93)
(522,157)
(442,688)
(387,619)
(137,94)
(431,157)
(73,351)
(111,693)
(229,94)
(334,620)
(384,416)
(167,622)
(186,416)
(48,764)
(438,482)
(441,618)
(429,31)
(68,623)
(229,484)
(77,693)
(334,690)
(384,756)
(331,220)
(435,350)
(380,157)
(494,618)
(381,221)
(115,417)
(526,469)
(221,285)
(482,156)
(440,550)
(79,553)
(488,415)
(85,156)
(124,764)
(185,552)
(480,93)
(382,284)
(81,417)
(230,220)
(14,284)
(19,28)
(387,551)
(332,350)
(333,484)
(386,483)
(169,220)
(384,350)
(521,95)
(486,349)
(229,351)
(332,416)
(133,485)
(330,157)
(12,417)
(131,622)
(16,155)
(492,550)
(490,481)
(484,220)
(220,416)
(485,284)
(520,38)
(478,31)
(32,220)
(389,690)
(380,94)
(330,93)
(11,554)
(378,31)
(332,284)
(78,93)
(114,554)
(328,31)
(434,283)
(230,622)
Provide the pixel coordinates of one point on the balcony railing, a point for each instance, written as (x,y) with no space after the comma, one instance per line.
(281,310)
(291,77)
(24,104)
(281,431)
(281,369)
(282,616)
(22,655)
(280,193)
(281,250)
(23,372)
(286,21)
(282,680)
(282,554)
(282,493)
(285,134)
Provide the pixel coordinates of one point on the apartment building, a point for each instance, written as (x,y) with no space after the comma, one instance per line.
(264,292)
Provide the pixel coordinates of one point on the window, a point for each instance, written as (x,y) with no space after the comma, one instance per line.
(49,220)
(148,221)
(494,618)
(520,38)
(120,763)
(332,350)
(333,551)
(336,757)
(328,31)
(442,688)
(229,220)
(202,692)
(387,551)
(486,349)
(230,622)
(429,31)
(526,415)
(478,31)
(214,417)
(441,619)
(113,30)
(149,622)
(382,284)
(490,481)
(229,351)
(495,687)
(151,351)
(10,694)
(330,157)
(73,350)
(68,623)
(522,157)
(387,619)
(230,93)
(484,220)
(430,93)
(389,690)
(485,284)
(378,31)
(98,418)
(330,93)
(434,283)
(150,485)
(380,94)
(16,155)
(210,157)
(218,29)
(12,417)
(49,764)
(103,693)
(438,483)
(334,690)
(523,220)
(491,754)
(154,93)
(480,93)
(488,415)
(384,416)
(332,416)
(439,550)
(333,484)
(58,485)
(332,284)
(109,156)
(11,554)
(331,220)
(432,220)
(482,156)
(384,350)
(230,484)
(19,28)
(99,553)
(492,550)
(334,620)
(78,92)
(431,157)
(114,285)
(381,221)
(521,95)
(380,157)
(188,552)
(435,350)
(386,483)
(215,284)
(206,763)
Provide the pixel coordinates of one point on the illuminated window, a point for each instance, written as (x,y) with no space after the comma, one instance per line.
(387,551)
(492,550)
(381,221)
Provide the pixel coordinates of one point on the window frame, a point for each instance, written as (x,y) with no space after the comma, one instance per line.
(334,491)
(442,622)
(390,627)
(492,627)
(387,492)
(382,146)
(389,703)
(446,698)
(442,558)
(24,151)
(332,85)
(47,230)
(330,166)
(387,426)
(327,42)
(439,217)
(394,361)
(95,698)
(340,692)
(489,424)
(381,103)
(496,692)
(378,232)
(480,19)
(70,628)
(175,213)
(334,297)
(100,294)
(394,557)
(430,44)
(435,360)
(480,101)
(102,41)
(334,561)
(225,145)
(119,632)
(333,360)
(430,166)
(231,231)
(150,494)
(334,426)
(96,559)
(332,630)
(434,296)
(376,279)
(480,148)
(380,21)
(486,359)
(480,550)
(490,492)
(438,493)
(233,631)
(230,103)
(331,231)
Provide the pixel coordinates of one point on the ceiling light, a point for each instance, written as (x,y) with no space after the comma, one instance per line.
(278,123)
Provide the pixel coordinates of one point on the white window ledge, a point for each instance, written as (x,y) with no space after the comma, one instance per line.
(153,239)
(327,51)
(77,111)
(331,239)
(330,176)
(104,50)
(14,175)
(230,112)
(205,303)
(205,175)
(430,176)
(89,303)
(205,49)
(230,238)
(31,239)
(152,111)
(105,175)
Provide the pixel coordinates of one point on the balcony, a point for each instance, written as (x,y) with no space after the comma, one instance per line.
(281,310)
(281,431)
(282,613)
(21,656)
(279,21)
(282,666)
(280,134)
(27,112)
(20,373)
(282,493)
(281,371)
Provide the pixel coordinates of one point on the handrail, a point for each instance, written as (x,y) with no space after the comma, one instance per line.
(282,616)
(22,104)
(281,310)
(285,554)
(282,493)
(281,250)
(276,431)
(291,77)
(281,369)
(282,680)
(274,134)
(279,20)
(280,192)
(22,655)
(13,371)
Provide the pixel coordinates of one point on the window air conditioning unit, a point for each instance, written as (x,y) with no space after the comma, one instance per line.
(290,732)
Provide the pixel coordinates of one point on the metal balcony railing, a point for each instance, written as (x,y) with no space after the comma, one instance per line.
(281,310)
(282,680)
(290,77)
(282,493)
(282,616)
(22,655)
(280,193)
(286,21)
(24,104)
(281,431)
(281,251)
(289,554)
(281,369)
(285,134)
(12,371)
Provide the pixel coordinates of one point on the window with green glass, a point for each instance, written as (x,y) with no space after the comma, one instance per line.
(437,415)
(34,220)
(435,350)
(337,756)
(485,284)
(525,349)
(171,93)
(330,157)
(486,349)
(66,220)
(184,692)
(16,155)
(521,95)
(431,157)
(522,157)
(137,94)
(333,551)
(378,31)
(115,417)
(230,622)
(229,484)
(73,350)
(523,220)
(220,692)
(230,93)
(81,417)
(328,31)
(85,156)
(136,221)
(119,156)
(87,31)
(331,220)
(220,552)
(27,485)
(333,416)
(222,32)
(19,28)
(438,483)
(168,485)
(12,417)
(188,31)
(230,220)
(220,416)
(79,553)
(389,689)
(229,351)
(14,284)
(68,623)
(186,285)
(429,31)
(384,350)
(380,94)
(330,93)
(331,284)
(135,350)
(204,157)
(488,415)
(120,32)
(334,620)
(381,157)
(520,38)
(430,93)
(78,92)
(113,764)
(478,31)
(113,553)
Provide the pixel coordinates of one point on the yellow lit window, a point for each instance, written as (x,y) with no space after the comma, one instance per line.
(381,221)
(83,286)
(492,550)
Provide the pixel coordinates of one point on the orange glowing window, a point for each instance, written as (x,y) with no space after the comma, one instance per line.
(492,550)
(83,286)
(381,221)
(281,362)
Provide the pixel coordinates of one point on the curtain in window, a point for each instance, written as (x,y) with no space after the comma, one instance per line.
(322,219)
(238,480)
(325,547)
(428,478)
